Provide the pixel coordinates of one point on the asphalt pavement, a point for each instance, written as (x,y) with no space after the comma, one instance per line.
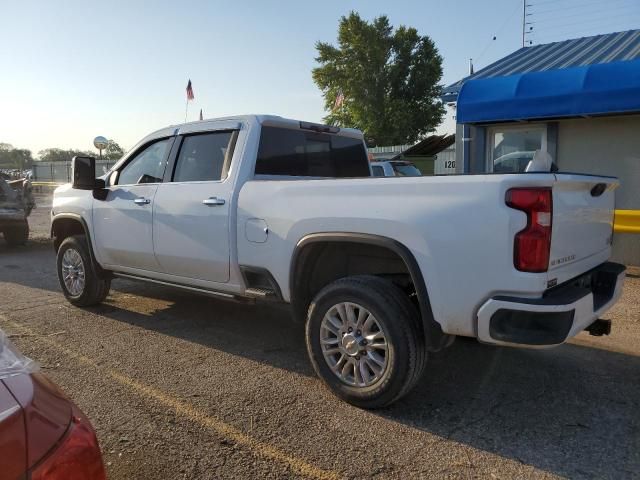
(183,386)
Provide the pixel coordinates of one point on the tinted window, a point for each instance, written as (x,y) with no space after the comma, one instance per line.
(406,170)
(202,157)
(299,153)
(378,171)
(147,166)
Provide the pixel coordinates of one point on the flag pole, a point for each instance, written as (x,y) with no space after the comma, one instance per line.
(186,109)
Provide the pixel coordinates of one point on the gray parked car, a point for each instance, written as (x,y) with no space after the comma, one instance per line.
(394,168)
(16,203)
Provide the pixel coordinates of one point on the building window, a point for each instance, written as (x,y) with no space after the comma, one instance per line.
(511,148)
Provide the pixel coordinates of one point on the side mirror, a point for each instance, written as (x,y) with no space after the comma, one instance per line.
(84,173)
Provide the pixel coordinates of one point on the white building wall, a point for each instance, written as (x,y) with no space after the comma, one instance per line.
(445,163)
(607,146)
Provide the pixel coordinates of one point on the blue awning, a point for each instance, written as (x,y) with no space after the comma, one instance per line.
(598,89)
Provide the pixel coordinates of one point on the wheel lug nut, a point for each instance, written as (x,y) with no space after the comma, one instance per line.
(358,332)
(350,330)
(363,343)
(357,357)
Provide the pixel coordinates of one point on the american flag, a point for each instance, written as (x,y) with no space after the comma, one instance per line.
(339,100)
(189,91)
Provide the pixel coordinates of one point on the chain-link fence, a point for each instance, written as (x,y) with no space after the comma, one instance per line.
(60,172)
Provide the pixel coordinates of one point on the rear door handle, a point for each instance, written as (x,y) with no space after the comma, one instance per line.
(213,201)
(142,201)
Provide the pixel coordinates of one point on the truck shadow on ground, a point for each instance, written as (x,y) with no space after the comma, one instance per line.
(572,411)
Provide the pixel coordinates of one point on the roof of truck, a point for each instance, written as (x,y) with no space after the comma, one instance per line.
(231,122)
(259,118)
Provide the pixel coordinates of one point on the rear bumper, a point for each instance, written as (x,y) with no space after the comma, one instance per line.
(11,216)
(561,313)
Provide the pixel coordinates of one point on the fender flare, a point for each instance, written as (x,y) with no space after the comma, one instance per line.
(435,338)
(78,218)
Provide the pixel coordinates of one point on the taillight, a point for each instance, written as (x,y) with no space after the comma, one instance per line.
(532,245)
(78,457)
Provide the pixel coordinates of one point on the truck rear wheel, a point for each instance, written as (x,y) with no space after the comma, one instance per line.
(17,234)
(364,340)
(80,283)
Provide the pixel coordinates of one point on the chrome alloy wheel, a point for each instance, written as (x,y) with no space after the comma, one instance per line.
(73,272)
(353,344)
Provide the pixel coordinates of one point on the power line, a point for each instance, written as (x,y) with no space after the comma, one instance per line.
(550,24)
(549,37)
(571,7)
(555,2)
(560,36)
(582,22)
(578,14)
(498,32)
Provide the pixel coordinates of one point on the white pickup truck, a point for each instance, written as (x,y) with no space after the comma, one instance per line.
(381,269)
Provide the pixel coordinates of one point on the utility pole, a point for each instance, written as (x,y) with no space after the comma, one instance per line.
(524,19)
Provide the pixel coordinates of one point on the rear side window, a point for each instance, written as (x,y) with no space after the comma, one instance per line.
(308,154)
(202,157)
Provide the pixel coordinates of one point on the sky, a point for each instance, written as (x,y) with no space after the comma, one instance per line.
(72,70)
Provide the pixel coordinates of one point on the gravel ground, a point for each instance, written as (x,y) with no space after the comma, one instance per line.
(40,220)
(181,386)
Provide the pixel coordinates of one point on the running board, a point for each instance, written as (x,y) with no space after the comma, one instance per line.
(203,291)
(262,293)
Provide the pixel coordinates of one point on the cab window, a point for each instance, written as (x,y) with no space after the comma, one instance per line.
(203,157)
(148,165)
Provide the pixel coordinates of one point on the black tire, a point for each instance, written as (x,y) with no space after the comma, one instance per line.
(398,318)
(16,235)
(95,289)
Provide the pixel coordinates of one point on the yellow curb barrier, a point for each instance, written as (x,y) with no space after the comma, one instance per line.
(46,184)
(627,221)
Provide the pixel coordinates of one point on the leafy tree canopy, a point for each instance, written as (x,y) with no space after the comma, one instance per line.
(60,155)
(389,80)
(113,151)
(11,157)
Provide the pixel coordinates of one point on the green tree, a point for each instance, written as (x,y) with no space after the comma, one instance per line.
(5,155)
(11,157)
(60,155)
(389,80)
(22,158)
(113,151)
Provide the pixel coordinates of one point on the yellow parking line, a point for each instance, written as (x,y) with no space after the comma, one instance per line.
(185,409)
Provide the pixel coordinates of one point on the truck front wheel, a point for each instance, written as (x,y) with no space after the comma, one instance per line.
(77,274)
(364,340)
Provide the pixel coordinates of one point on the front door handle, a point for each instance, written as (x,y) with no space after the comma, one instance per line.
(212,201)
(142,201)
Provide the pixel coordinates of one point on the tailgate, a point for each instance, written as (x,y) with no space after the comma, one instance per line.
(583,210)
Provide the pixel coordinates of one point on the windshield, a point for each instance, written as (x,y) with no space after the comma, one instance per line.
(406,170)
